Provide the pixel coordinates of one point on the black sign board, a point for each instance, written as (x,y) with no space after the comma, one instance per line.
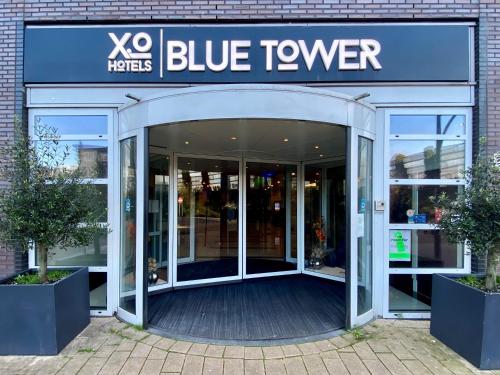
(247,53)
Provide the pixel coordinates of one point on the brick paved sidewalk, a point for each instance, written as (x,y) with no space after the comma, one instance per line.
(108,346)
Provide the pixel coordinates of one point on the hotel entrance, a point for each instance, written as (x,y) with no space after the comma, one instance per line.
(262,197)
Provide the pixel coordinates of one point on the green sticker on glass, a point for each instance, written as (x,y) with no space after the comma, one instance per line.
(400,245)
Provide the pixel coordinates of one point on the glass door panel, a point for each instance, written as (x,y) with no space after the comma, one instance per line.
(128,224)
(325,219)
(271,217)
(158,217)
(364,230)
(207,219)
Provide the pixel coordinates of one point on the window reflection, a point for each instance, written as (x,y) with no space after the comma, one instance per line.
(324,218)
(428,124)
(158,216)
(207,218)
(410,293)
(128,199)
(90,157)
(430,159)
(417,199)
(74,124)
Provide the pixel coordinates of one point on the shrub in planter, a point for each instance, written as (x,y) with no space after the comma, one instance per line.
(466,311)
(46,205)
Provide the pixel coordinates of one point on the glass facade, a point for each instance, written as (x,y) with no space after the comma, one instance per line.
(82,144)
(427,156)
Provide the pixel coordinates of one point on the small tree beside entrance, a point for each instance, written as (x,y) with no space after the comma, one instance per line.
(46,203)
(474,216)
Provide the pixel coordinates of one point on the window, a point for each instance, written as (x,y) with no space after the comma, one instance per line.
(426,156)
(84,135)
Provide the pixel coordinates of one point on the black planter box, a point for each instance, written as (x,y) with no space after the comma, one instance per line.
(43,319)
(467,320)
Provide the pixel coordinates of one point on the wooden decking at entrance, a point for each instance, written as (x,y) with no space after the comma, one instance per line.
(279,308)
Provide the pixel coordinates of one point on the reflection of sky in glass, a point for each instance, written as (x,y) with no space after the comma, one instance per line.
(424,159)
(68,125)
(427,124)
(409,148)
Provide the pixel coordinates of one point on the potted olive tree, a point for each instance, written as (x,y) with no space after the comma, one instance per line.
(45,205)
(466,310)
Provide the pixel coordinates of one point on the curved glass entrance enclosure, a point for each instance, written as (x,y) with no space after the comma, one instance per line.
(230,198)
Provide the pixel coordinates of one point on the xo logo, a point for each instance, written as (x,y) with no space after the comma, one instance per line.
(136,59)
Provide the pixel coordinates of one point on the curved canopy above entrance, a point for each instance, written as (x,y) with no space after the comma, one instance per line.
(252,101)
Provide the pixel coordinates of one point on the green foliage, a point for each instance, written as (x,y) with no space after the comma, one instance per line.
(475,281)
(46,203)
(86,350)
(473,217)
(34,278)
(357,333)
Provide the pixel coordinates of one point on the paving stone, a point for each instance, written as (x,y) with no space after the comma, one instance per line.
(253,352)
(272,352)
(141,350)
(213,366)
(456,367)
(93,366)
(174,362)
(132,366)
(114,363)
(364,351)
(234,352)
(335,366)
(378,346)
(393,364)
(198,349)
(314,364)
(295,366)
(416,367)
(51,365)
(375,367)
(215,351)
(325,345)
(399,350)
(254,367)
(126,346)
(134,334)
(75,364)
(339,342)
(353,364)
(346,349)
(164,343)
(156,353)
(308,348)
(290,350)
(152,367)
(181,347)
(331,354)
(233,366)
(193,365)
(434,365)
(274,367)
(151,339)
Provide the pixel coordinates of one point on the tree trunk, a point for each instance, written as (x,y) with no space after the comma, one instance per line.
(42,261)
(491,269)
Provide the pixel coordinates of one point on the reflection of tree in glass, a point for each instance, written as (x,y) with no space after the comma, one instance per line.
(399,170)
